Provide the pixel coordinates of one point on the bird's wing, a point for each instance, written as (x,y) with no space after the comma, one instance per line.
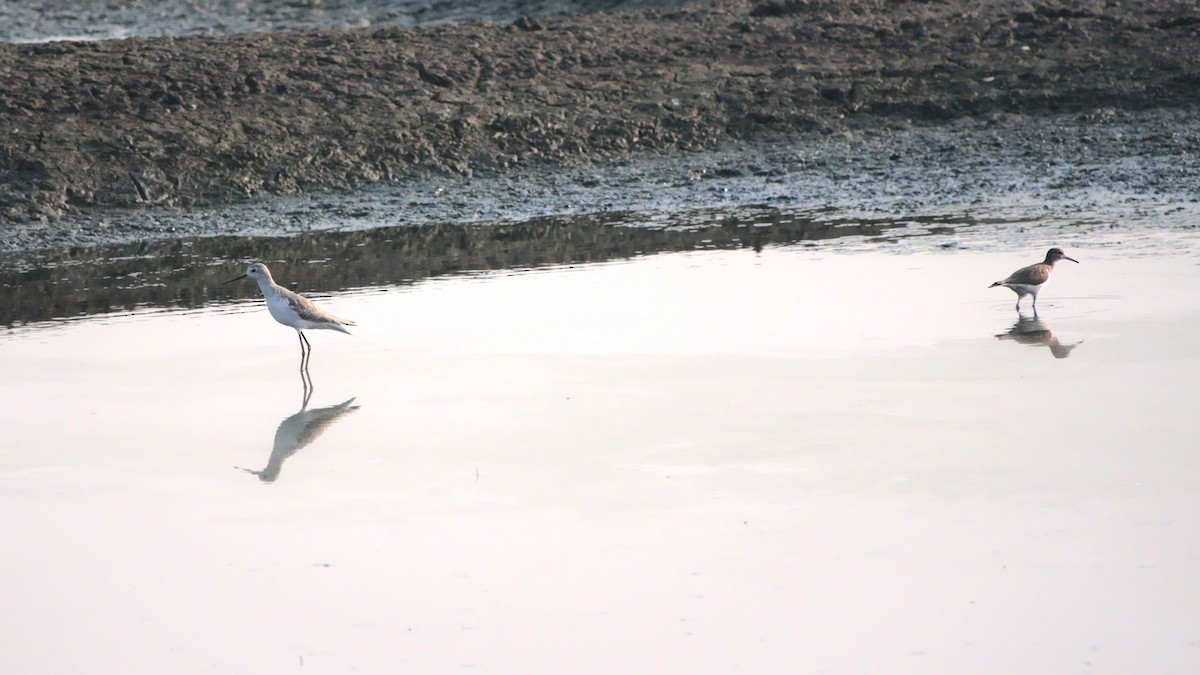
(1032,275)
(307,310)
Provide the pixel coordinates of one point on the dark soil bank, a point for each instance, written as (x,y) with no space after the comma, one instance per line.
(207,120)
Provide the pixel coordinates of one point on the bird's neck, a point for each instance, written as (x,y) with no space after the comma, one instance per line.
(267,286)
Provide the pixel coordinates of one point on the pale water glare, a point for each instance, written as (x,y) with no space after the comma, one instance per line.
(721,461)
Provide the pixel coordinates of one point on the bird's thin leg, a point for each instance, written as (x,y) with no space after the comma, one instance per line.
(303,352)
(305,377)
(309,355)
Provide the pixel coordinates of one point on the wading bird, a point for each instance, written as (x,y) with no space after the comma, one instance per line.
(1029,280)
(292,309)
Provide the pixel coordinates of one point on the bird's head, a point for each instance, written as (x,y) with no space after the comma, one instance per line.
(256,271)
(1056,254)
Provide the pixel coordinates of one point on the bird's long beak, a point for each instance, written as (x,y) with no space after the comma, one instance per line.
(1064,258)
(235,279)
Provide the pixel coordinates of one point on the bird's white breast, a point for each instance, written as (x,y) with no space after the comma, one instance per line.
(281,310)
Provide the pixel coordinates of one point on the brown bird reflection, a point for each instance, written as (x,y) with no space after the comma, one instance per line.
(1030,330)
(297,432)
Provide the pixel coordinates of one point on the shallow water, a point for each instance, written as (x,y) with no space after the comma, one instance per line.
(789,459)
(85,281)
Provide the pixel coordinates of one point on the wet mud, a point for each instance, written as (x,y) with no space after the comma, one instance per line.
(148,123)
(55,20)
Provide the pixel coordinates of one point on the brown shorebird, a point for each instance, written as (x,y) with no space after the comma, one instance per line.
(292,309)
(1029,280)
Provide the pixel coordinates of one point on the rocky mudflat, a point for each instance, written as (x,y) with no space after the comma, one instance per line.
(88,126)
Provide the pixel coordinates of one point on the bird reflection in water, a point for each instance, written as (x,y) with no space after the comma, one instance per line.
(298,431)
(1031,330)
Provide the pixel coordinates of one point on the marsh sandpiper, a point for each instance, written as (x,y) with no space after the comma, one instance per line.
(292,309)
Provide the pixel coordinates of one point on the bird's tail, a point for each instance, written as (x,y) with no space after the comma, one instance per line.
(339,324)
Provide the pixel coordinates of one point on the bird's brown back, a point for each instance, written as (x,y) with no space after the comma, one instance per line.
(1033,275)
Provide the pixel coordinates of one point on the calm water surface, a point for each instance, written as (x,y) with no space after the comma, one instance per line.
(787,459)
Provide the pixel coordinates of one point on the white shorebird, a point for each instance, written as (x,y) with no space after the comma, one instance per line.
(1029,280)
(292,309)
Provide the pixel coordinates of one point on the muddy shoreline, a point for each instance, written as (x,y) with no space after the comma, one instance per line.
(204,121)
